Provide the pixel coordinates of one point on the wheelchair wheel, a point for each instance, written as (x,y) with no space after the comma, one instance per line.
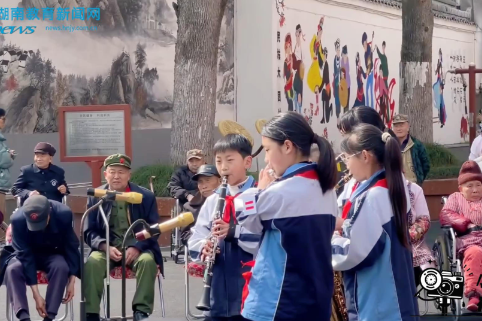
(441,253)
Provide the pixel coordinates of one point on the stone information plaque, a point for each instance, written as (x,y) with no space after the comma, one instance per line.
(94,133)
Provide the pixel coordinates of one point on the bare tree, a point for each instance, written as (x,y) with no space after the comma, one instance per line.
(416,67)
(195,75)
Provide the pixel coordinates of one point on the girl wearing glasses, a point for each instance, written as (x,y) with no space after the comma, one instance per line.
(373,249)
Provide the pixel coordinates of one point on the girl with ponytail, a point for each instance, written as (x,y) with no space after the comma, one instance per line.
(294,208)
(373,248)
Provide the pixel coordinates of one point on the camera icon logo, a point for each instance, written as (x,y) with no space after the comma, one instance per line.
(443,285)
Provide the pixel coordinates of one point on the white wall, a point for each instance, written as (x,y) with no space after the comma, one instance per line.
(254,43)
(346,20)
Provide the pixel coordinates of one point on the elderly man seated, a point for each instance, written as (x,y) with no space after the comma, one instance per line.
(143,257)
(208,180)
(463,211)
(43,239)
(181,185)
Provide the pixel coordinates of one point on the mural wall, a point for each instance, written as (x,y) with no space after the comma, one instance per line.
(122,55)
(331,59)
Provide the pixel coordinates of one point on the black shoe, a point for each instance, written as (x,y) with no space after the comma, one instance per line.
(138,316)
(93,317)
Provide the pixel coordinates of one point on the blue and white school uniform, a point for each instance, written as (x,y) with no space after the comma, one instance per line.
(377,267)
(227,282)
(292,277)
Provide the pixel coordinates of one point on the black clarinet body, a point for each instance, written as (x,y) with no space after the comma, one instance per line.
(205,301)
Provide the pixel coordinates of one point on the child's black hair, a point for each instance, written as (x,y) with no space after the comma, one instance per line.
(234,142)
(388,154)
(362,115)
(294,127)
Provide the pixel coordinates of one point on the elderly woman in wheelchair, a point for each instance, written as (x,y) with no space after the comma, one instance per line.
(463,213)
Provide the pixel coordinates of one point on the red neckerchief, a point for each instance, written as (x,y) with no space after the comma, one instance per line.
(347,207)
(310,174)
(128,189)
(229,208)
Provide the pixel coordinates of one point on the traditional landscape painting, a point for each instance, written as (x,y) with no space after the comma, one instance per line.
(125,55)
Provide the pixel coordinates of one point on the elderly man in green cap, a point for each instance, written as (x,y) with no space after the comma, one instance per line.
(143,257)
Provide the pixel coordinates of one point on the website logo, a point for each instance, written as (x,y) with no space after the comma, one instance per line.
(8,30)
(441,286)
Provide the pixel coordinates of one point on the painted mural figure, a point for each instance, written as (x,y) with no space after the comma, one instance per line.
(314,79)
(360,75)
(300,70)
(288,71)
(382,84)
(326,91)
(367,47)
(345,80)
(337,79)
(383,102)
(438,91)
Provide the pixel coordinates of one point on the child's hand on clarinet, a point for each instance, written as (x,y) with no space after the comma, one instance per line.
(207,251)
(221,228)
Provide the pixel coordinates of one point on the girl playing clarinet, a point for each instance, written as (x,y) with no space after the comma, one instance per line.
(294,207)
(373,249)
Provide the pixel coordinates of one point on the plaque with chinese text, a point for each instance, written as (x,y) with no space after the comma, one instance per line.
(94,133)
(91,133)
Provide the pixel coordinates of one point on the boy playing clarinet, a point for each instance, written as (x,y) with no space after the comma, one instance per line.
(236,244)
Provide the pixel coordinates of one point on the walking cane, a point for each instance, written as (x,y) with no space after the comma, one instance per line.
(150,183)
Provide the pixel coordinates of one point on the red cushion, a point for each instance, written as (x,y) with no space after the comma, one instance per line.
(196,270)
(116,273)
(42,277)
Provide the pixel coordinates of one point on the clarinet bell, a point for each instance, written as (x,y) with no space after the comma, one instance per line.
(205,302)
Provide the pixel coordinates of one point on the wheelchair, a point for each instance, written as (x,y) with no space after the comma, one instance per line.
(445,253)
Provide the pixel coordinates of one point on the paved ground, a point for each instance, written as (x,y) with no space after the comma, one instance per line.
(174,294)
(174,300)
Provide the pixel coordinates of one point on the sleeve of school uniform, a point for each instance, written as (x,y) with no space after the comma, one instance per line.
(201,230)
(248,231)
(257,206)
(365,241)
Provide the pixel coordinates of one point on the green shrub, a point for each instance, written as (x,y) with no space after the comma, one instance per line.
(444,172)
(162,173)
(440,155)
(443,164)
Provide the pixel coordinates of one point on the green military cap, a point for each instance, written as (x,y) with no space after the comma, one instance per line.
(400,118)
(118,160)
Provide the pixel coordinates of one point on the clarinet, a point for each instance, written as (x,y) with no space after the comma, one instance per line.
(339,311)
(204,304)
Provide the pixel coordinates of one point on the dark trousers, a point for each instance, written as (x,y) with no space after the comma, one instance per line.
(57,273)
(417,271)
(236,318)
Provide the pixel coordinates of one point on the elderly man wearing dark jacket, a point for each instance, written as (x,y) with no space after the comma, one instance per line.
(42,177)
(143,257)
(43,239)
(181,185)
